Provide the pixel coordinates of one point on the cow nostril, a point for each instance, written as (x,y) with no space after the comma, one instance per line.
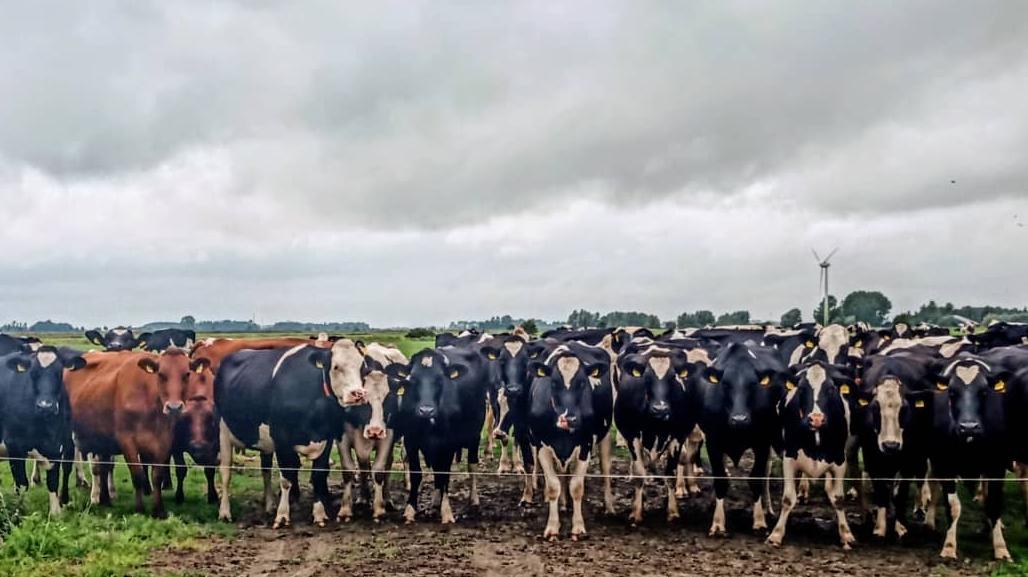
(891,447)
(739,420)
(173,408)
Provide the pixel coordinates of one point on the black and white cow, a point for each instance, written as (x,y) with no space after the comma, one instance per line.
(894,430)
(1001,334)
(12,344)
(740,393)
(116,339)
(164,339)
(655,410)
(442,410)
(570,410)
(816,426)
(35,416)
(513,355)
(369,430)
(970,441)
(793,344)
(1017,428)
(286,403)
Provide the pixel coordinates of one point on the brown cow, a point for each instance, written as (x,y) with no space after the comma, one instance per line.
(129,403)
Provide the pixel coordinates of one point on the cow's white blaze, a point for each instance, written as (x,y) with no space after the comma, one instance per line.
(513,347)
(831,339)
(567,367)
(967,373)
(660,366)
(46,358)
(890,401)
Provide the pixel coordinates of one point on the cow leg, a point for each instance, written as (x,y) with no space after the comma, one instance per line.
(212,491)
(672,459)
(225,450)
(856,491)
(949,547)
(95,480)
(789,499)
(923,501)
(834,488)
(319,481)
(994,512)
(576,486)
(936,494)
(80,473)
(67,464)
(473,473)
(180,476)
(605,461)
(504,466)
(137,470)
(803,489)
(637,456)
(490,419)
(380,475)
(881,490)
(112,487)
(759,487)
(53,485)
(34,478)
(289,477)
(160,475)
(269,492)
(717,471)
(349,468)
(414,471)
(516,458)
(1022,475)
(680,487)
(16,458)
(547,461)
(531,460)
(441,478)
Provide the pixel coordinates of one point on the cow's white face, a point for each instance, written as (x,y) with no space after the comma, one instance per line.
(376,388)
(345,373)
(889,397)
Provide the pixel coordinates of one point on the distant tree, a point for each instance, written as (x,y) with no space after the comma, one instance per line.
(834,314)
(420,333)
(792,317)
(696,319)
(734,318)
(188,322)
(870,307)
(530,327)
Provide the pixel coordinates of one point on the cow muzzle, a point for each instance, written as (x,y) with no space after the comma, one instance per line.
(426,412)
(354,397)
(890,448)
(739,421)
(173,407)
(47,407)
(374,432)
(817,420)
(660,410)
(970,431)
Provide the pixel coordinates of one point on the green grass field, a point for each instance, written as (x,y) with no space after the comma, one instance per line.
(95,542)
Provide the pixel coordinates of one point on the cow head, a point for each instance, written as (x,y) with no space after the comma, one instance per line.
(749,387)
(564,385)
(381,386)
(815,396)
(653,382)
(116,339)
(342,365)
(513,363)
(890,410)
(969,384)
(427,388)
(44,369)
(173,370)
(200,417)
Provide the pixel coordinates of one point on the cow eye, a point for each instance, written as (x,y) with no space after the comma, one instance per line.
(941,386)
(636,372)
(1000,386)
(765,381)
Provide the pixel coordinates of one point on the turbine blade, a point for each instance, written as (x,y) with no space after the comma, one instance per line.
(817,258)
(831,254)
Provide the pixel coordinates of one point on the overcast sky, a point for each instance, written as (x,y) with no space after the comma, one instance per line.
(414,163)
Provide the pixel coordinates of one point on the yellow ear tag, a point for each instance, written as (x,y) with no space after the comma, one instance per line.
(713,379)
(941,386)
(918,404)
(845,389)
(862,402)
(683,373)
(319,364)
(1000,386)
(765,381)
(595,373)
(636,373)
(809,344)
(21,368)
(400,391)
(492,356)
(540,372)
(859,344)
(789,385)
(454,374)
(199,369)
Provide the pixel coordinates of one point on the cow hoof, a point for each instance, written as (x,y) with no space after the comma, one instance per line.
(919,516)
(503,469)
(225,517)
(774,541)
(672,517)
(681,494)
(519,470)
(717,532)
(1003,555)
(635,520)
(550,538)
(524,503)
(343,518)
(576,537)
(280,523)
(408,515)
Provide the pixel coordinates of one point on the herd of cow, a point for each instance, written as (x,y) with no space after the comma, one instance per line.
(912,405)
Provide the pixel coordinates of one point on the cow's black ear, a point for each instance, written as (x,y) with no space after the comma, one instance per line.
(142,340)
(18,364)
(321,359)
(491,353)
(398,371)
(597,370)
(999,381)
(200,365)
(74,363)
(96,338)
(363,350)
(537,369)
(148,364)
(713,375)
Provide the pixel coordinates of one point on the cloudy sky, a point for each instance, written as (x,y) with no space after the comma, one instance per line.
(416,163)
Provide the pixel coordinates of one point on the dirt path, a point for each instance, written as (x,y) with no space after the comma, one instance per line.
(502,539)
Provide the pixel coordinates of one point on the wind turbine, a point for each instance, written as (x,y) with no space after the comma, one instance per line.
(824,263)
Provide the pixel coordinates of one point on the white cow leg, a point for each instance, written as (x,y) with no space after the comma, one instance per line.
(999,544)
(504,466)
(516,458)
(225,474)
(576,486)
(552,492)
(789,498)
(282,515)
(835,490)
(473,473)
(605,461)
(639,479)
(949,547)
(94,482)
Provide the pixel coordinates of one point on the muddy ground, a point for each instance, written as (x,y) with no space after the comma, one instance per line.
(503,539)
